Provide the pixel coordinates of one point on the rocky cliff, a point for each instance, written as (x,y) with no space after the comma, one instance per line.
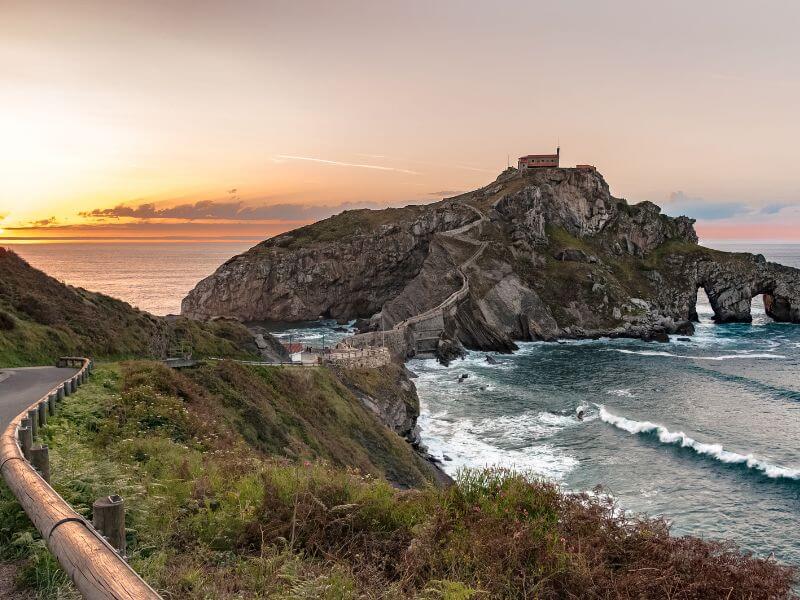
(538,254)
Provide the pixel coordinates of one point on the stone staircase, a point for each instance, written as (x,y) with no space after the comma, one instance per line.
(427,327)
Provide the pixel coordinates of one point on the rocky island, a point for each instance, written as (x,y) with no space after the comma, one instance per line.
(537,254)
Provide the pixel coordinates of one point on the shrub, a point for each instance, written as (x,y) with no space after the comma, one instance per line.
(38,310)
(7,322)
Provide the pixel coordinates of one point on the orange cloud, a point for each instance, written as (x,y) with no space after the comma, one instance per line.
(227,211)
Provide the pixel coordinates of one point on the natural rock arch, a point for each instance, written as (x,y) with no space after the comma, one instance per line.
(732,284)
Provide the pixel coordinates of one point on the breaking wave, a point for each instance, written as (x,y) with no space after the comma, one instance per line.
(719,358)
(519,442)
(715,451)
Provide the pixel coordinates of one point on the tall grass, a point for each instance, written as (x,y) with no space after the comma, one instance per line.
(211,516)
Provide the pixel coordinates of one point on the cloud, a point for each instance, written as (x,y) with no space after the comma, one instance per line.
(346,164)
(773,209)
(212,210)
(446,193)
(707,210)
(44,222)
(699,208)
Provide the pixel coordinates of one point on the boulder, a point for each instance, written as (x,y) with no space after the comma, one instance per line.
(448,350)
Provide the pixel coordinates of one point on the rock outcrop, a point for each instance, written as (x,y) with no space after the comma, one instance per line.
(344,267)
(540,254)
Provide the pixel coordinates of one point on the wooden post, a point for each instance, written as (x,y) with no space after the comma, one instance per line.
(25,441)
(51,403)
(67,388)
(60,393)
(33,417)
(108,517)
(95,568)
(40,459)
(42,409)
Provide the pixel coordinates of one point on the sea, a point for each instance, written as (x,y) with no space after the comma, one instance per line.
(703,432)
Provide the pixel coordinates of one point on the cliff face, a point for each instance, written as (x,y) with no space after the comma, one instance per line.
(343,267)
(534,255)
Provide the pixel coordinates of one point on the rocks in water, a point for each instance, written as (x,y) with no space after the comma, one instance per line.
(491,359)
(684,339)
(448,350)
(656,334)
(684,328)
(409,373)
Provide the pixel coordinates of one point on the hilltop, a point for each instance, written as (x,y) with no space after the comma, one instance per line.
(42,318)
(536,254)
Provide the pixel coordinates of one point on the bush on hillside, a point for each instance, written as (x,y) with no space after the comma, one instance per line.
(37,309)
(7,322)
(500,535)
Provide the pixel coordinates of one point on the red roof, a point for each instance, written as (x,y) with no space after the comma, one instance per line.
(292,348)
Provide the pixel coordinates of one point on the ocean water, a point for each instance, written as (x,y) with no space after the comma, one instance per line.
(704,432)
(153,276)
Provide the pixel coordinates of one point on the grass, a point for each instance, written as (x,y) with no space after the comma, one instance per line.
(345,224)
(41,319)
(212,516)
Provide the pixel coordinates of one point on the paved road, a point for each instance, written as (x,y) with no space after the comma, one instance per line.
(25,386)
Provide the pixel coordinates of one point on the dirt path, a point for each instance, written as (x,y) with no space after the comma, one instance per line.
(8,575)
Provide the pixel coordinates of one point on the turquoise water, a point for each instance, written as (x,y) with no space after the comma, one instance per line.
(704,432)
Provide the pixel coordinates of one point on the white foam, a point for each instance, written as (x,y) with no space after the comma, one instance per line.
(687,357)
(715,450)
(476,443)
(624,393)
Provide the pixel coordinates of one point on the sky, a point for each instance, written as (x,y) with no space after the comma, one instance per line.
(184,119)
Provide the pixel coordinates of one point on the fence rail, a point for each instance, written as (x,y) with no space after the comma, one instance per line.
(95,567)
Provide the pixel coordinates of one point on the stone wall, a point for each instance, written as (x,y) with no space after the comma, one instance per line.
(359,358)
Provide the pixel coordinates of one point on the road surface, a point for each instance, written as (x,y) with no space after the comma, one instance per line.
(19,388)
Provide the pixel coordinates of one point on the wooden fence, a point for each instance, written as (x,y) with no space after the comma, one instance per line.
(96,568)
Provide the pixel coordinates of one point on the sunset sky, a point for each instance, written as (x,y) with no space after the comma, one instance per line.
(181,119)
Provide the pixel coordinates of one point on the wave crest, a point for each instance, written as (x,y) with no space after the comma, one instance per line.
(719,358)
(715,451)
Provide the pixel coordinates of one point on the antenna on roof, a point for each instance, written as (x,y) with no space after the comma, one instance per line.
(508,161)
